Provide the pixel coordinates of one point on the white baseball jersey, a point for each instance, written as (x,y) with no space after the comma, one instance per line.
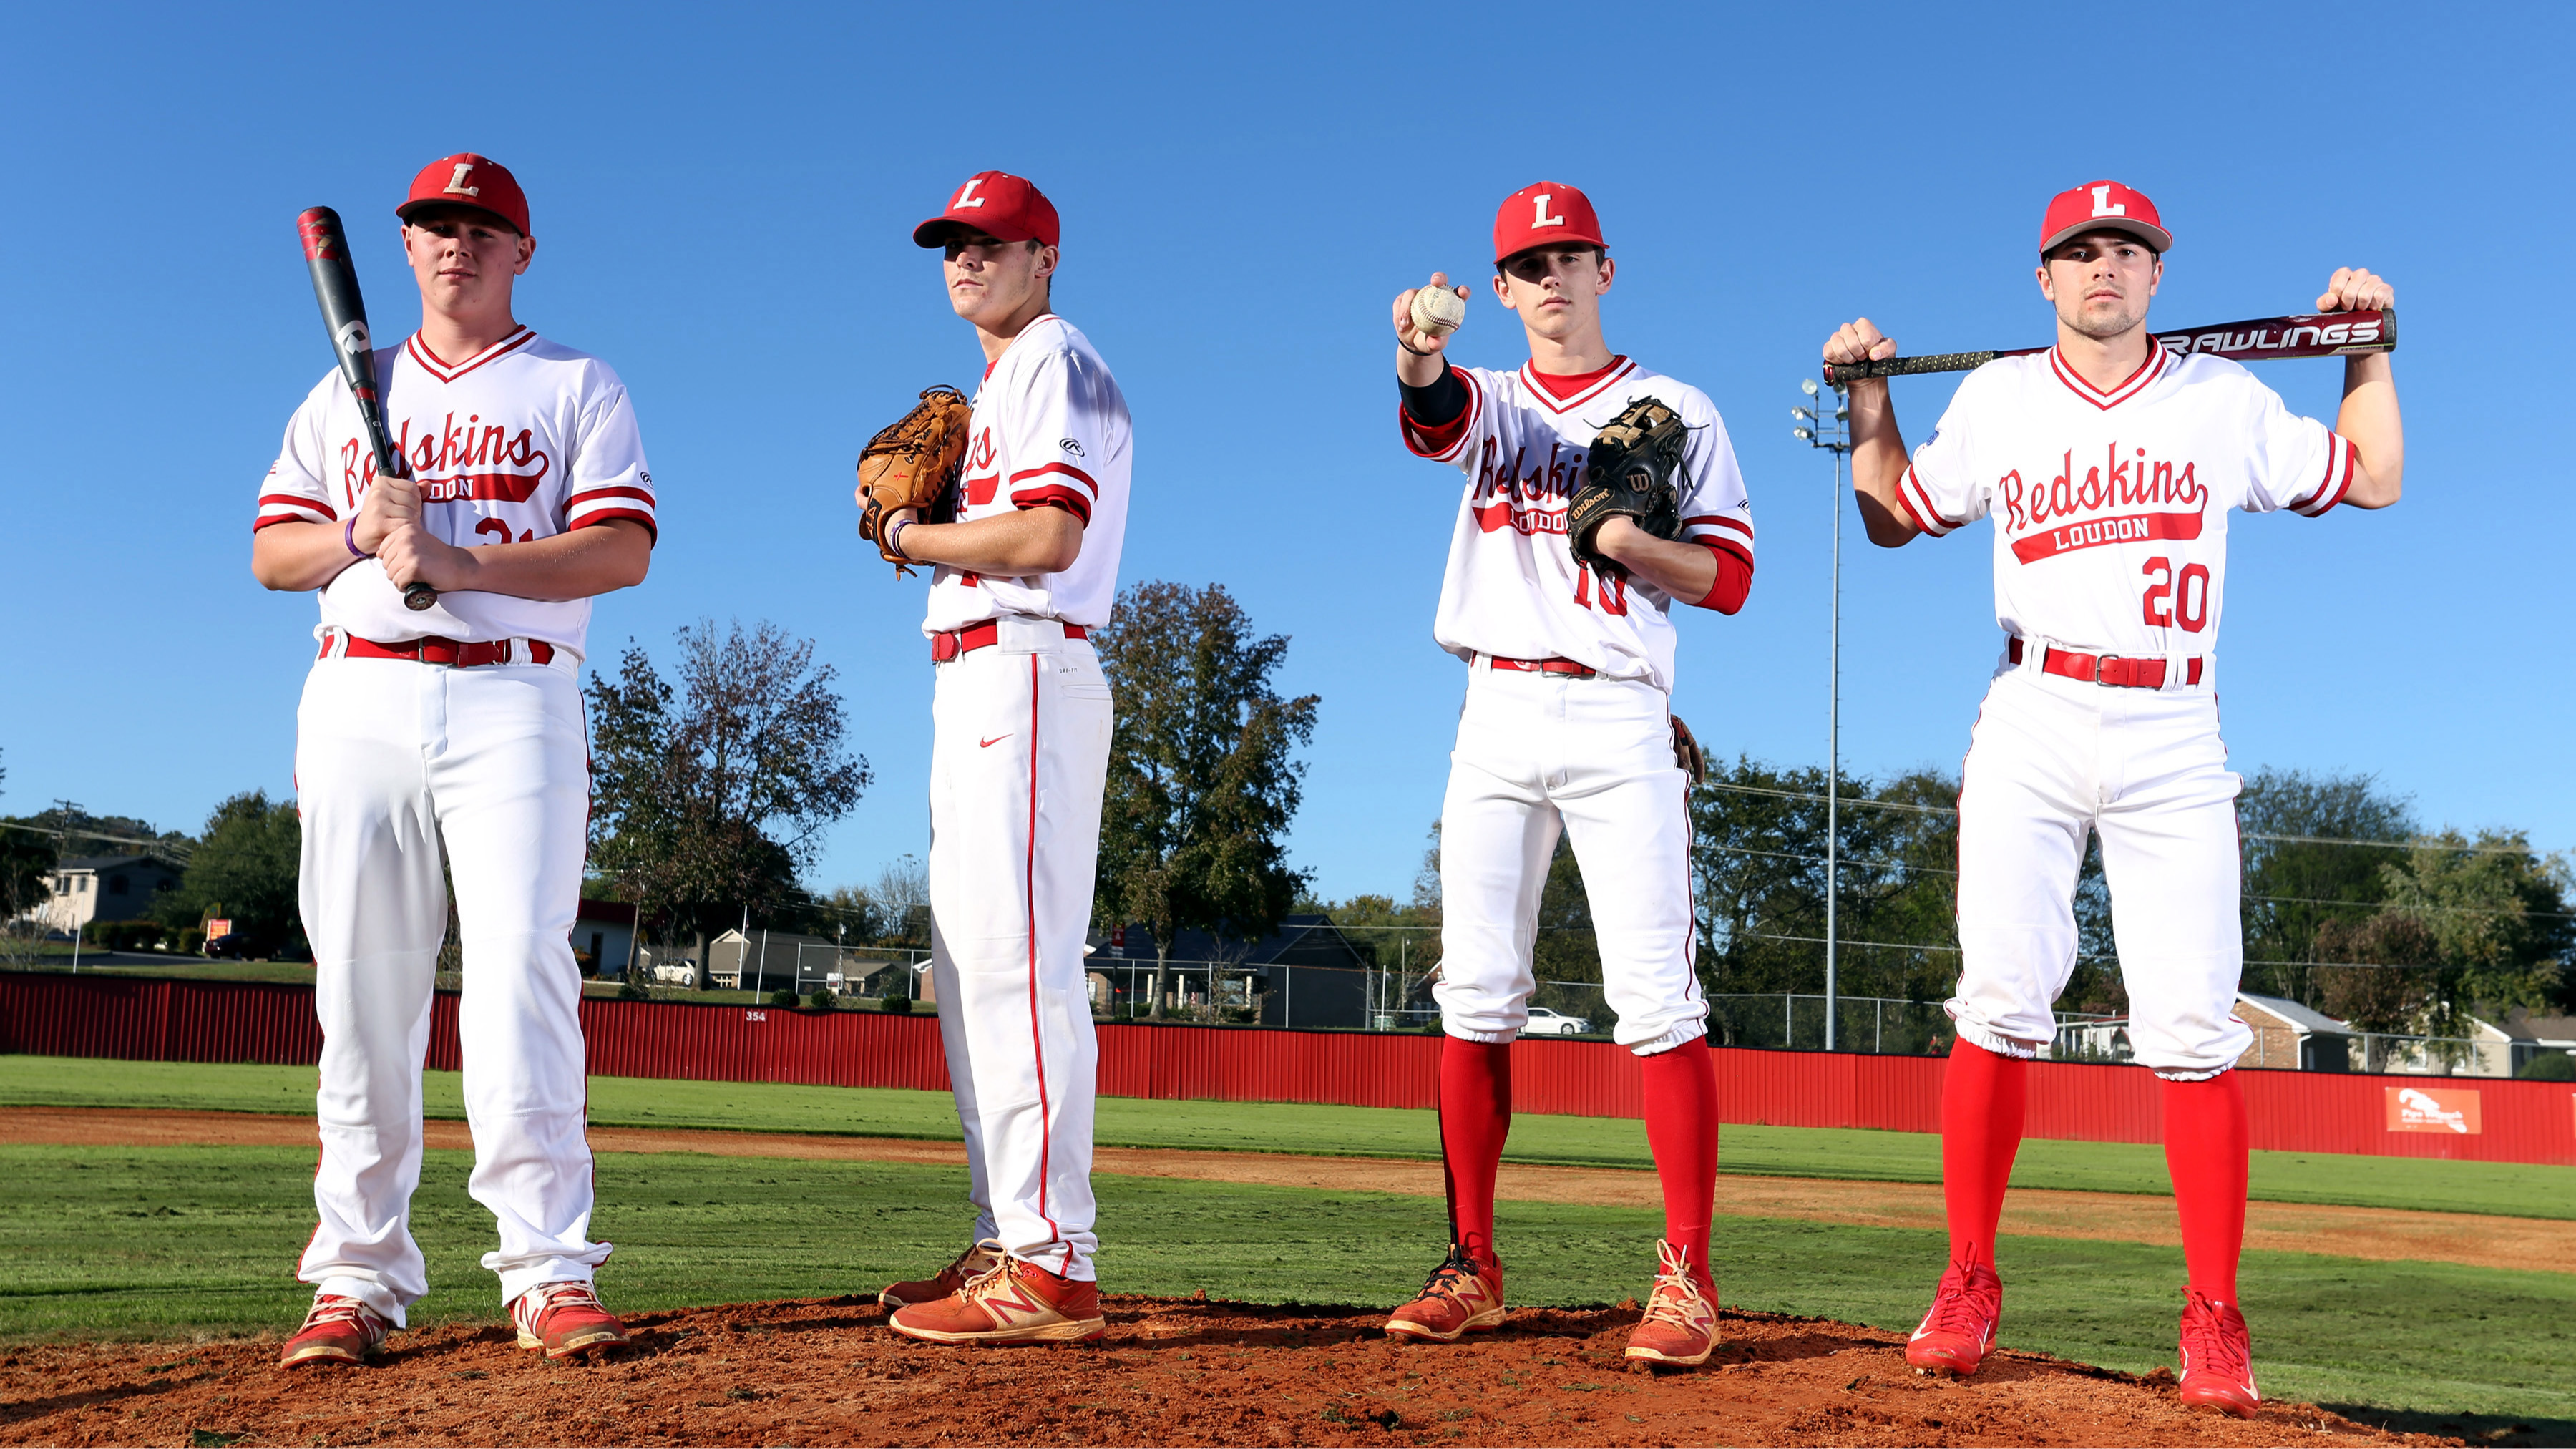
(525,440)
(2110,508)
(1513,588)
(1050,429)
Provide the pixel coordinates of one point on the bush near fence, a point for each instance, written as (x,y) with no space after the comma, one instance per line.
(200,1021)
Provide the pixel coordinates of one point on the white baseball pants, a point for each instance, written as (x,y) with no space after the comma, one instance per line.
(397,763)
(1539,753)
(1017,767)
(2145,770)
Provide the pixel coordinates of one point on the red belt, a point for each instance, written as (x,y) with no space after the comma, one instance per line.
(948,645)
(1565,667)
(2110,669)
(435,650)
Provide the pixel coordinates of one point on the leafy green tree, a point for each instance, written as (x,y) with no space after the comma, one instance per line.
(2301,876)
(1202,777)
(245,869)
(2497,914)
(707,796)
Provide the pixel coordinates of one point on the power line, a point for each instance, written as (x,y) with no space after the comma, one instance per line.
(2411,844)
(74,833)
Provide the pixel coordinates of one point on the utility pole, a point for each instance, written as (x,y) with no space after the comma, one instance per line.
(1830,429)
(64,811)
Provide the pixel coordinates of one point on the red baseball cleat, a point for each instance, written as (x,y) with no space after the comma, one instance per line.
(1016,1301)
(981,1258)
(338,1330)
(2217,1358)
(1680,1326)
(564,1319)
(1460,1296)
(1960,1328)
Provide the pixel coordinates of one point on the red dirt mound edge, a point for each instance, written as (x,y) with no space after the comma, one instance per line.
(826,1371)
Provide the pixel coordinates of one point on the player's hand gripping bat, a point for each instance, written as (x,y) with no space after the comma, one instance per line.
(2312,334)
(344,316)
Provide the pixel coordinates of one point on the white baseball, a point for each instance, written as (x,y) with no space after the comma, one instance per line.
(1437,311)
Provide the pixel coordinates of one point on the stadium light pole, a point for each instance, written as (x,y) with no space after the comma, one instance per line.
(1829,428)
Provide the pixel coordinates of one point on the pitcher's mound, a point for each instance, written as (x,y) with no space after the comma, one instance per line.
(827,1371)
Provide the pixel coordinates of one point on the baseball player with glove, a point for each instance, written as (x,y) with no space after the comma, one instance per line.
(453,735)
(1598,493)
(2108,466)
(1018,501)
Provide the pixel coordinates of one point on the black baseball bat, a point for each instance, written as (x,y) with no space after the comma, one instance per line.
(344,316)
(2309,334)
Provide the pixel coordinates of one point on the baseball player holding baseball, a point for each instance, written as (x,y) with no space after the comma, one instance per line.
(1566,728)
(453,736)
(1021,754)
(2108,465)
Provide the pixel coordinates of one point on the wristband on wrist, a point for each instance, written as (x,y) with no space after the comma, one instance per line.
(349,537)
(1416,351)
(894,537)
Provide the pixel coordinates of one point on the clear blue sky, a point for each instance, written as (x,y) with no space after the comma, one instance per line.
(722,197)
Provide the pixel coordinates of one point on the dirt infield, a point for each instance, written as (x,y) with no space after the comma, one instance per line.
(2382,1234)
(1171,1372)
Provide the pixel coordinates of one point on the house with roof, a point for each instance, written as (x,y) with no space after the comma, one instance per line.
(2291,1037)
(2532,1036)
(1305,974)
(103,888)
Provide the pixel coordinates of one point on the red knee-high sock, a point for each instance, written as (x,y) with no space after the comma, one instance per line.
(1475,1116)
(2205,1150)
(1982,1094)
(1681,1128)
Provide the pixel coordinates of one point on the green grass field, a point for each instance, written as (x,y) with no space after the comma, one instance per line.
(178,1242)
(2485,1187)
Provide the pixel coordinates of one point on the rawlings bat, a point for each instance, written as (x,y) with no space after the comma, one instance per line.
(344,316)
(2312,334)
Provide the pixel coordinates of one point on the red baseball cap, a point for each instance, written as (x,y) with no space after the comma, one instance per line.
(2102,206)
(1544,214)
(998,204)
(466,179)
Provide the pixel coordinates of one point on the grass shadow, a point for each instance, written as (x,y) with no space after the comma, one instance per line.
(2476,1428)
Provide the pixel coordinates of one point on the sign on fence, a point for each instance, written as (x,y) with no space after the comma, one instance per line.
(2432,1109)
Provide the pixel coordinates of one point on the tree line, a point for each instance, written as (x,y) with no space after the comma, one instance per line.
(2350,906)
(712,785)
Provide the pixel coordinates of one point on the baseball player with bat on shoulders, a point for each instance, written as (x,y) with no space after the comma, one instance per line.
(2108,465)
(449,730)
(1019,501)
(1598,493)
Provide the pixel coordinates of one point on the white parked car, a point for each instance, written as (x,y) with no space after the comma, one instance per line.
(1547,1021)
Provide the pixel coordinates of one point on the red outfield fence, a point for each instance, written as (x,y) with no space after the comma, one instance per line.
(2479,1119)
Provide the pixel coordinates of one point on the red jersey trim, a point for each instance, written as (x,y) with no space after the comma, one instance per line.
(1721,520)
(1442,443)
(1067,469)
(1054,495)
(587,495)
(2338,479)
(298,501)
(1917,503)
(446,371)
(611,515)
(2135,383)
(1619,368)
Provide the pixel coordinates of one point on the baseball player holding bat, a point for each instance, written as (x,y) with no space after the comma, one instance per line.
(453,735)
(2108,465)
(1558,598)
(1025,546)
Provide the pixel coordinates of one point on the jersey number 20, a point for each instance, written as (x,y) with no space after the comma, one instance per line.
(2176,599)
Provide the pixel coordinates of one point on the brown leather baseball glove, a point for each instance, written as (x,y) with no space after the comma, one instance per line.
(913,463)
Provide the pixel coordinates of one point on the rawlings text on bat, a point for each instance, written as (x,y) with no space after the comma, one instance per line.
(2313,334)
